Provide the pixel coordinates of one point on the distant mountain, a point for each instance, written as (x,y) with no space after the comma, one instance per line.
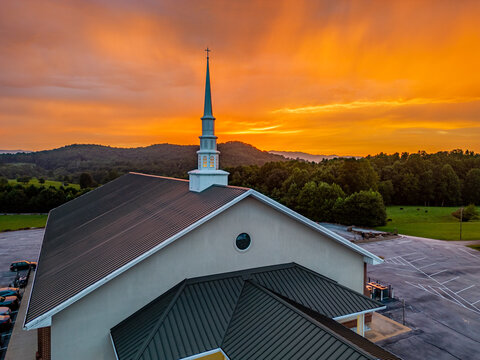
(308,157)
(104,162)
(13,151)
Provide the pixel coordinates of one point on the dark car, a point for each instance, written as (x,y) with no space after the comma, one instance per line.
(23,265)
(21,282)
(9,301)
(5,311)
(5,323)
(10,291)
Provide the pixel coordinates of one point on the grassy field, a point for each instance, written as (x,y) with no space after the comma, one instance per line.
(430,222)
(34,181)
(16,222)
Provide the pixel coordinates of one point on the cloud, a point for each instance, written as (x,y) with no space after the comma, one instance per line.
(323,76)
(365,104)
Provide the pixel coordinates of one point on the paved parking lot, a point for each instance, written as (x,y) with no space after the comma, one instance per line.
(16,245)
(440,282)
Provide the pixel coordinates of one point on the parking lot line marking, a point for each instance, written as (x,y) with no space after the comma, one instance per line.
(466,252)
(464,289)
(423,267)
(412,253)
(418,259)
(416,277)
(438,272)
(477,310)
(475,302)
(455,278)
(411,271)
(453,299)
(417,286)
(436,292)
(403,261)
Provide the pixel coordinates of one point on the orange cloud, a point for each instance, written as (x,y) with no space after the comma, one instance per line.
(318,76)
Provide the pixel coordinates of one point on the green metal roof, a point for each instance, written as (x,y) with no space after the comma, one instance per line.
(246,314)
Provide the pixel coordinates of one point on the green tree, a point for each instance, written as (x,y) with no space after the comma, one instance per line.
(385,188)
(86,180)
(24,179)
(426,182)
(356,175)
(448,188)
(48,199)
(363,208)
(317,201)
(471,187)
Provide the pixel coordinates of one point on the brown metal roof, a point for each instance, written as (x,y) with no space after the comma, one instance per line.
(129,215)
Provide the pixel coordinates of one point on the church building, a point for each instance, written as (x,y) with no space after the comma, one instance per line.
(150,267)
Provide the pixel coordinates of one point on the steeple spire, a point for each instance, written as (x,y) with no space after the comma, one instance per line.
(208,172)
(207,109)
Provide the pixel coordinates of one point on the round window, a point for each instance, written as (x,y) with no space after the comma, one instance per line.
(243,241)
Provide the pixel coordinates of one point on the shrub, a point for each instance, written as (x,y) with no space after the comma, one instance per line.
(469,213)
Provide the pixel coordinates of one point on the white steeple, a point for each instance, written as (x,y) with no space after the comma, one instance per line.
(207,173)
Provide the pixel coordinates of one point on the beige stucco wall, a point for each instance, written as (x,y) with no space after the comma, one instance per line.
(81,331)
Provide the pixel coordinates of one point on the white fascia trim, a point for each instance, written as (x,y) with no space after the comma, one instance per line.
(358,313)
(368,256)
(47,322)
(34,324)
(206,353)
(46,318)
(114,348)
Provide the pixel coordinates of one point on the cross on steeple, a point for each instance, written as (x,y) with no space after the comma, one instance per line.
(207,50)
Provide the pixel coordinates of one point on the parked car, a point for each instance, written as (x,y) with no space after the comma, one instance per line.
(9,301)
(5,311)
(23,265)
(10,291)
(5,323)
(21,282)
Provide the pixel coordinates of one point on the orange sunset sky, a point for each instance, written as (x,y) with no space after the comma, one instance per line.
(325,77)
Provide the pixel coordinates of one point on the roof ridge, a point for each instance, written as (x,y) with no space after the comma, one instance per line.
(232,315)
(160,321)
(156,176)
(239,273)
(309,318)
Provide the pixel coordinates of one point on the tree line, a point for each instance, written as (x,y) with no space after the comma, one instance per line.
(20,198)
(354,191)
(347,191)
